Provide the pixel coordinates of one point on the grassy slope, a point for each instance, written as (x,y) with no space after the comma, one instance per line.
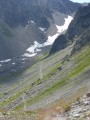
(80,61)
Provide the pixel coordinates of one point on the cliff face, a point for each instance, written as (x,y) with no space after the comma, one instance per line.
(80,23)
(78,30)
(60,43)
(15,12)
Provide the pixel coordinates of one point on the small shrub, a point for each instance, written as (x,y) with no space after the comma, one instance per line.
(78,98)
(67,108)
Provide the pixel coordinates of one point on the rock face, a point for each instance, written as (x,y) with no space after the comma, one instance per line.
(82,41)
(25,21)
(60,43)
(16,13)
(79,29)
(80,23)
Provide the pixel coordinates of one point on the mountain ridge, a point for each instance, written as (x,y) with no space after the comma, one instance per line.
(79,25)
(18,15)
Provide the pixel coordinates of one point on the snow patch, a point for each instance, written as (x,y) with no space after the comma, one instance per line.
(26,26)
(13,63)
(60,29)
(29,55)
(42,29)
(51,39)
(28,22)
(38,50)
(65,26)
(23,59)
(5,61)
(32,22)
(33,49)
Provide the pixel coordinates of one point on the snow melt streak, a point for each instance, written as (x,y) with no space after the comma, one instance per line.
(5,61)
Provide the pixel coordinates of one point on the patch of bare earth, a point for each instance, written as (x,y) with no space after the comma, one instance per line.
(51,113)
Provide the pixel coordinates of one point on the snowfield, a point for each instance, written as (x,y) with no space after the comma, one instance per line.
(65,26)
(29,55)
(42,29)
(5,61)
(33,49)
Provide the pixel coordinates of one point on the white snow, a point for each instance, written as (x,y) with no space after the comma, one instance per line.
(26,26)
(38,50)
(60,29)
(65,26)
(32,21)
(42,29)
(51,39)
(24,59)
(13,63)
(29,55)
(33,49)
(28,22)
(5,61)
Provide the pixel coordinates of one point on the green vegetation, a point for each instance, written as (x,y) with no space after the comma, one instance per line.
(1,95)
(82,55)
(77,70)
(47,92)
(81,66)
(67,108)
(19,107)
(52,67)
(15,96)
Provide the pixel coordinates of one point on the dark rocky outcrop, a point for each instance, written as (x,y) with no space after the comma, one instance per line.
(82,41)
(80,23)
(60,43)
(78,30)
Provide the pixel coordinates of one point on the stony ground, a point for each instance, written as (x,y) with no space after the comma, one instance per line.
(79,110)
(62,75)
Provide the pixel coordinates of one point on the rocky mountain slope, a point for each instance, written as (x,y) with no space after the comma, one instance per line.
(59,79)
(53,88)
(82,41)
(78,30)
(24,22)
